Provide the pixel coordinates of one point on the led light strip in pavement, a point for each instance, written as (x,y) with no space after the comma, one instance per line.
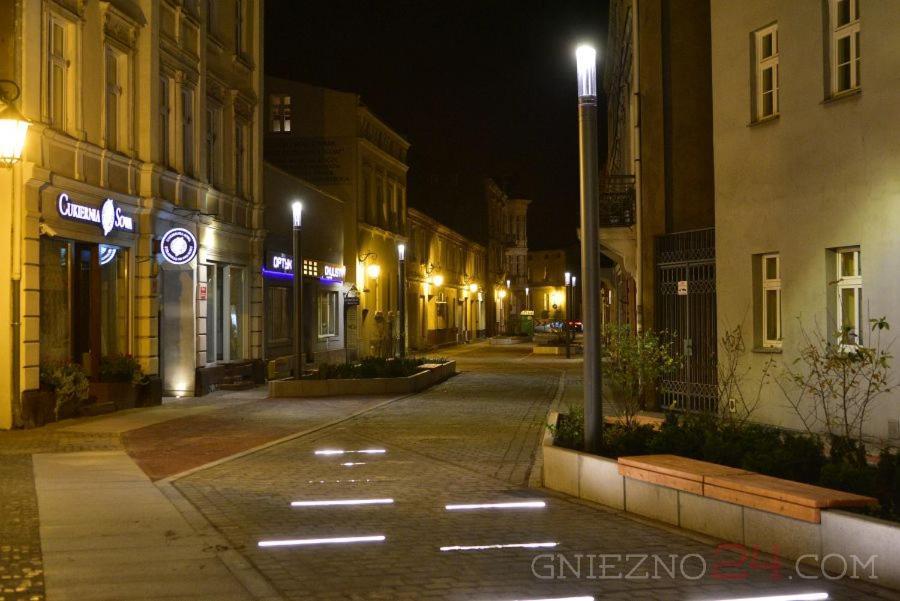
(794,597)
(507,546)
(342,451)
(341,502)
(352,463)
(586,598)
(299,542)
(509,505)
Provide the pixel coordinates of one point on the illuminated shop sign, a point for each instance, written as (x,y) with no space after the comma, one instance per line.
(107,253)
(280,265)
(179,246)
(108,215)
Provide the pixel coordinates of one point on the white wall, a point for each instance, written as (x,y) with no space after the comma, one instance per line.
(824,174)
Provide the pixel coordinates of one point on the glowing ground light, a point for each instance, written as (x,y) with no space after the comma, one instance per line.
(341,502)
(301,542)
(506,546)
(352,463)
(342,451)
(585,598)
(789,597)
(508,505)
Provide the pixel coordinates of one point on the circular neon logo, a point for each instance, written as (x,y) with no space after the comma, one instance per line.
(179,246)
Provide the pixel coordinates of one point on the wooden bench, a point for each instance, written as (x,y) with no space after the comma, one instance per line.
(673,471)
(741,487)
(785,497)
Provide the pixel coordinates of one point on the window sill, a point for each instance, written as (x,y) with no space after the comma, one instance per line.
(854,93)
(768,350)
(765,120)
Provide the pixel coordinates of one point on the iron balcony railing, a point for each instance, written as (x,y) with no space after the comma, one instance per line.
(617,200)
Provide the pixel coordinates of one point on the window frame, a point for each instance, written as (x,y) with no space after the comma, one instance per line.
(188,110)
(852,282)
(165,120)
(280,113)
(761,65)
(213,146)
(327,306)
(836,33)
(768,284)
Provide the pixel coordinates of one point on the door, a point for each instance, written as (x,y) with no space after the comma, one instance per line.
(686,314)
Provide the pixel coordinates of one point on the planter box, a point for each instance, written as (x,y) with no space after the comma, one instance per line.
(150,394)
(556,350)
(38,408)
(431,375)
(123,395)
(843,541)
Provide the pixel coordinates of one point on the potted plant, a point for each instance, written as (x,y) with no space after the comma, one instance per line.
(118,379)
(69,383)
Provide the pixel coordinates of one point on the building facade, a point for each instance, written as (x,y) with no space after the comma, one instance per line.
(658,178)
(144,120)
(507,256)
(548,295)
(337,144)
(322,244)
(445,286)
(807,190)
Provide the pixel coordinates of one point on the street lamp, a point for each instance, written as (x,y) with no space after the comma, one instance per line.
(438,280)
(401,297)
(297,214)
(13,126)
(586,60)
(566,327)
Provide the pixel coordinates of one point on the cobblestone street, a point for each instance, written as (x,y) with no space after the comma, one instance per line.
(243,459)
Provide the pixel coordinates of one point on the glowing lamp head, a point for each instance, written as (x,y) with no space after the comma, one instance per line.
(297,212)
(13,127)
(502,294)
(574,279)
(527,289)
(586,58)
(373,271)
(568,278)
(507,283)
(401,251)
(438,280)
(473,287)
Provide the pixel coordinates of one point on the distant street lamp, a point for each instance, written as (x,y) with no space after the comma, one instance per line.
(586,59)
(13,126)
(568,316)
(297,213)
(401,297)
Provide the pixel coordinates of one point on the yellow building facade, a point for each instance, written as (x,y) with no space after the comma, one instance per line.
(135,211)
(445,285)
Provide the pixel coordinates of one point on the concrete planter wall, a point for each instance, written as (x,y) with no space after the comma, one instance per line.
(841,537)
(431,375)
(555,350)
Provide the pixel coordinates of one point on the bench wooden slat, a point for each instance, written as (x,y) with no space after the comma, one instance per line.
(780,507)
(798,493)
(680,467)
(644,475)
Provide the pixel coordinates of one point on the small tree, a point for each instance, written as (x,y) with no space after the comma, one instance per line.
(833,386)
(734,405)
(633,362)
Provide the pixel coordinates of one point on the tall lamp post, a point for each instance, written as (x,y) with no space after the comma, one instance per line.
(586,59)
(568,316)
(297,212)
(401,297)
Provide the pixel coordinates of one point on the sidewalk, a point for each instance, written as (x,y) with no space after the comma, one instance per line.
(76,492)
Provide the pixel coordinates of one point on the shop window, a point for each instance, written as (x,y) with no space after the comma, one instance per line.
(225,313)
(236,313)
(55,318)
(328,313)
(278,313)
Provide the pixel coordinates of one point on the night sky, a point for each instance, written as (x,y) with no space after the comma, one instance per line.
(478,88)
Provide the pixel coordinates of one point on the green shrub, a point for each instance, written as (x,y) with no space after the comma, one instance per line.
(568,432)
(70,384)
(372,367)
(120,368)
(621,439)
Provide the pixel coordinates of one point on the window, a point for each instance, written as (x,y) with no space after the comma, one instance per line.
(57,73)
(849,295)
(187,130)
(328,313)
(280,113)
(211,17)
(238,27)
(767,75)
(844,50)
(771,301)
(213,125)
(310,268)
(278,313)
(113,99)
(239,165)
(164,116)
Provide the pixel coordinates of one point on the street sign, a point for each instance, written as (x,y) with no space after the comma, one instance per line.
(682,288)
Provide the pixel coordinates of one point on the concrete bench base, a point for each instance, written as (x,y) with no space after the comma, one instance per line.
(839,535)
(430,375)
